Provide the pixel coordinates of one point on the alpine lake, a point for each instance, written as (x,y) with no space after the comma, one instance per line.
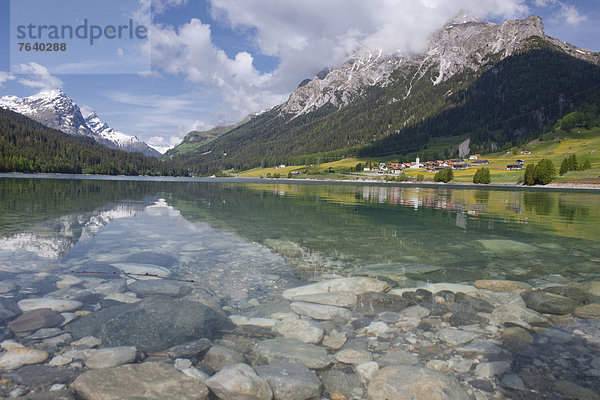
(215,288)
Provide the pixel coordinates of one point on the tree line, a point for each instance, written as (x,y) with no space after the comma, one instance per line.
(30,147)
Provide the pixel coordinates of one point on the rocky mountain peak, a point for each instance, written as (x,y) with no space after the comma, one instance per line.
(465,43)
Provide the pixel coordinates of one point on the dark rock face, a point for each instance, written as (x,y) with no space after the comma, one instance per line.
(548,302)
(373,303)
(154,324)
(36,319)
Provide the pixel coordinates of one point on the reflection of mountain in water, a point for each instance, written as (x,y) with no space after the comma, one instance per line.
(54,238)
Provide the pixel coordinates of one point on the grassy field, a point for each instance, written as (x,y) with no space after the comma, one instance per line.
(585,144)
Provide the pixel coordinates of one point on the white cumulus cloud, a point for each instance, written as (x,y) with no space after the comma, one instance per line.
(38,77)
(570,14)
(5,76)
(304,37)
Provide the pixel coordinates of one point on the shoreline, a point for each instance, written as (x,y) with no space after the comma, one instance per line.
(570,186)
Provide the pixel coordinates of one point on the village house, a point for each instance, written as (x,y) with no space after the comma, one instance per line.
(460,165)
(525,152)
(514,167)
(480,162)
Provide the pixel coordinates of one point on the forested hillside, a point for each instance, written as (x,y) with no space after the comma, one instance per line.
(28,146)
(504,104)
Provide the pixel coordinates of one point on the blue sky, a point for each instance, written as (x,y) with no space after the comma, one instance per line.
(212,62)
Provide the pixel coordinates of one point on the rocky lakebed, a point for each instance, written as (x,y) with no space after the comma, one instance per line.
(134,331)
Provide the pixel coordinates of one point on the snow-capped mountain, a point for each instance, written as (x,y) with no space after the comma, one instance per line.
(52,108)
(55,109)
(118,140)
(466,42)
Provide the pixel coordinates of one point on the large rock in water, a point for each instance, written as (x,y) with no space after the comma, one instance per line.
(294,351)
(36,319)
(290,381)
(356,285)
(154,324)
(148,381)
(239,382)
(548,302)
(413,383)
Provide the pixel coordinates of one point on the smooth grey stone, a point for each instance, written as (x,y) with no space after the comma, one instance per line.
(491,369)
(353,356)
(480,346)
(338,299)
(455,336)
(294,351)
(97,270)
(111,357)
(402,381)
(373,303)
(399,357)
(388,316)
(575,294)
(356,285)
(548,302)
(8,310)
(151,325)
(41,377)
(160,287)
(58,305)
(219,357)
(482,384)
(239,381)
(472,303)
(338,381)
(132,381)
(190,349)
(512,381)
(290,381)
(45,334)
(306,331)
(36,319)
(461,319)
(7,287)
(320,312)
(110,287)
(54,395)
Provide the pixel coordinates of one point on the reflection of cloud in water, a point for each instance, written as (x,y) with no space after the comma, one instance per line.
(160,207)
(52,239)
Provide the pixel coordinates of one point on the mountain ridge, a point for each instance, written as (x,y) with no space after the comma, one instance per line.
(373,96)
(55,109)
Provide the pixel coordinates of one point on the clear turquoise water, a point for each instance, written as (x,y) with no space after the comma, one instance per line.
(402,233)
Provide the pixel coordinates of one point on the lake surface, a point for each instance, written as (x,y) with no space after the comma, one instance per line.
(245,241)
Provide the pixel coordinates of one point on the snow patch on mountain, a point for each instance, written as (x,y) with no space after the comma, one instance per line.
(55,109)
